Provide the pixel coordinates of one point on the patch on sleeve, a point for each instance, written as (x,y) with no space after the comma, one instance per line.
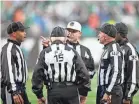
(86,55)
(133,57)
(115,53)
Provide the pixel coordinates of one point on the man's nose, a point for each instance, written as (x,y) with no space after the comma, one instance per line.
(97,35)
(25,34)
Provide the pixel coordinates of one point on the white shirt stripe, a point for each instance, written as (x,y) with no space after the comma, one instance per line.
(123,66)
(26,71)
(15,71)
(132,88)
(56,72)
(101,71)
(115,69)
(70,45)
(8,96)
(78,49)
(102,76)
(9,56)
(62,72)
(107,74)
(74,76)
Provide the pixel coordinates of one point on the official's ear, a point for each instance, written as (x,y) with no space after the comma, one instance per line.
(13,34)
(105,37)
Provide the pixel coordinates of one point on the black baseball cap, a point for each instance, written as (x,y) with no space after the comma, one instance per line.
(58,32)
(108,29)
(122,29)
(16,26)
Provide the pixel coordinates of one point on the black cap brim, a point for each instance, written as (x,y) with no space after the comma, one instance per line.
(101,29)
(24,28)
(98,29)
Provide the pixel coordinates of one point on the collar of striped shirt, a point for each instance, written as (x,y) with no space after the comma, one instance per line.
(122,42)
(57,42)
(15,42)
(71,43)
(106,45)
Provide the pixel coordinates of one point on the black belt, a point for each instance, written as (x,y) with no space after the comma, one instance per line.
(62,83)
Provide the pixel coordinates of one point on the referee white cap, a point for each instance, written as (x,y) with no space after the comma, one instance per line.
(74,25)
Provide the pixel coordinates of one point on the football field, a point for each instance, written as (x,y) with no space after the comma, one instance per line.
(90,100)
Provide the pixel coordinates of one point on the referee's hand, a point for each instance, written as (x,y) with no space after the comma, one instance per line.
(45,42)
(18,99)
(126,101)
(41,100)
(106,98)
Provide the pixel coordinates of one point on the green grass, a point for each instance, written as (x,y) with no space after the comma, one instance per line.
(90,100)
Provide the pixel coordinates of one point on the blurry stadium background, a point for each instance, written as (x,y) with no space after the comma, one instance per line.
(43,16)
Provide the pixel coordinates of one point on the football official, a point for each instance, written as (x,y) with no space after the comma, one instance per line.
(109,88)
(74,29)
(61,69)
(13,67)
(131,64)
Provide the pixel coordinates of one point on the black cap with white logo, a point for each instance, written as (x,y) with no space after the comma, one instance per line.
(16,26)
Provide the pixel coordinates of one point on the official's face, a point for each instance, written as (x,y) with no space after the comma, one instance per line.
(118,38)
(74,35)
(102,37)
(20,36)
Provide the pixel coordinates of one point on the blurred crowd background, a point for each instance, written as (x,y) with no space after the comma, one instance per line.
(43,16)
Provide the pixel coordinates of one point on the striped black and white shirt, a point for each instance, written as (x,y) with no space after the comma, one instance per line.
(58,63)
(86,56)
(13,66)
(131,68)
(110,68)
